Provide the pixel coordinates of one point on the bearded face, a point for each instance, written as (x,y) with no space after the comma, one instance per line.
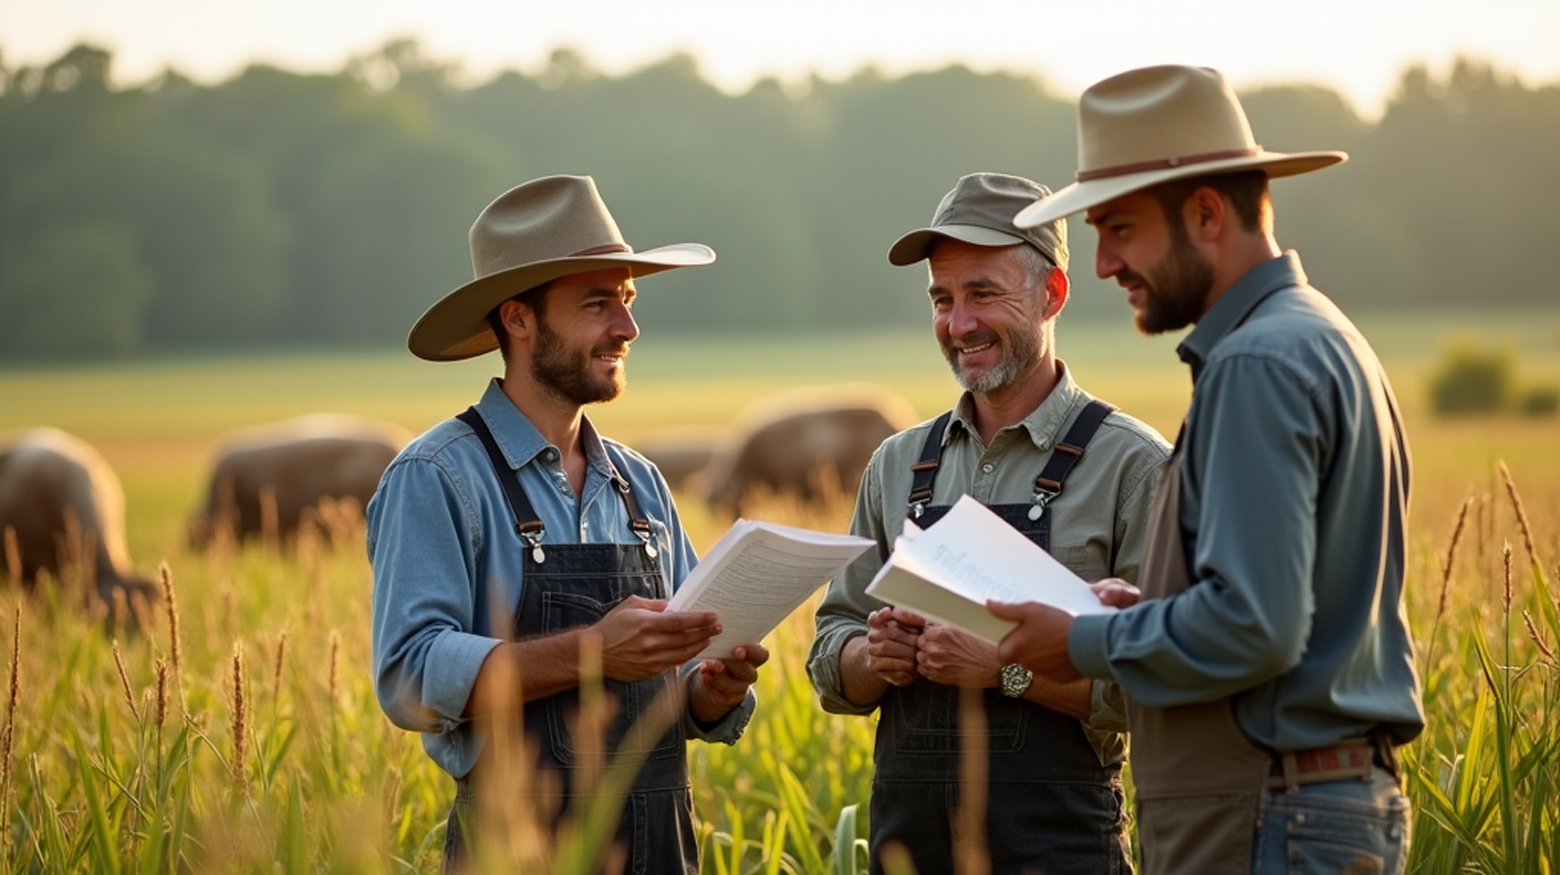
(565,369)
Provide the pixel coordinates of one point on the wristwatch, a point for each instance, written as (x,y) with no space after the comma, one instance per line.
(1015,680)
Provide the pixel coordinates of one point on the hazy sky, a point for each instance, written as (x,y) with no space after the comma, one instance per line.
(1358,47)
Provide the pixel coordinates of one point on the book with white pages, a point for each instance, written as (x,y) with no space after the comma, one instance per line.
(947,571)
(757,574)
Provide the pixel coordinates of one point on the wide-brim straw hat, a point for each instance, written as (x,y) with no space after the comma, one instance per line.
(534,233)
(1157,124)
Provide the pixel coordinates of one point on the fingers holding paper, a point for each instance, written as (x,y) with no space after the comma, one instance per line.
(1039,643)
(723,683)
(893,636)
(958,659)
(1116,593)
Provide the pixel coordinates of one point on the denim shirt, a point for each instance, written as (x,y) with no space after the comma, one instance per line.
(448,571)
(1294,483)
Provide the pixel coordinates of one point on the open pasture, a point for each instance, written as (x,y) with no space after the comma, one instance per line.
(142,754)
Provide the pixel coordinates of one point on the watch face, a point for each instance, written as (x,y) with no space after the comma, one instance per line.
(1015,680)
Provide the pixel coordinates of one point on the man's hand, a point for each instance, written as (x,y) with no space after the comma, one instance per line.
(641,639)
(723,683)
(1115,592)
(1040,641)
(892,640)
(958,659)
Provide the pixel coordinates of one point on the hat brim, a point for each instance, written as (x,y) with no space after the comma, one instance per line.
(1082,196)
(917,245)
(456,326)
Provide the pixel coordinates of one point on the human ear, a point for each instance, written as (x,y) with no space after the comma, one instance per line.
(1204,213)
(1057,287)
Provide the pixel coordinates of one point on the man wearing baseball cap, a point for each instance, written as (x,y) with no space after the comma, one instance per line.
(1069,472)
(518,554)
(1268,667)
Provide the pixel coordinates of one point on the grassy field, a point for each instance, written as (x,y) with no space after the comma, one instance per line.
(143,754)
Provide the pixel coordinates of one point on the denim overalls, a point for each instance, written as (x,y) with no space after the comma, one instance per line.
(573,585)
(1051,806)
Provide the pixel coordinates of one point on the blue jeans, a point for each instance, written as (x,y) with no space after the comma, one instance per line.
(1355,827)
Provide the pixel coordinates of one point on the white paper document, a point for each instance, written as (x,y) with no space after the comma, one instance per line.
(757,574)
(947,571)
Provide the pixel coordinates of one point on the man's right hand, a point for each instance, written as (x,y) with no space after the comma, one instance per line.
(641,639)
(893,636)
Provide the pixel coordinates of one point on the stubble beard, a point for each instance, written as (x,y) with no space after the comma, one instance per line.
(565,371)
(1180,288)
(1021,351)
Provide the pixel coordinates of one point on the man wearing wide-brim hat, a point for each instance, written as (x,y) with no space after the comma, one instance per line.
(519,554)
(1268,665)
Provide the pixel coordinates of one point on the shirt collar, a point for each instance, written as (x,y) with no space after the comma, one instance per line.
(1235,305)
(1044,423)
(519,440)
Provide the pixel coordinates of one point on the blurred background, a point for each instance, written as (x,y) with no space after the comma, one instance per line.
(182,177)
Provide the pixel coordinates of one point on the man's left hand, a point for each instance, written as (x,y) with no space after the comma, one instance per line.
(723,683)
(1040,641)
(957,659)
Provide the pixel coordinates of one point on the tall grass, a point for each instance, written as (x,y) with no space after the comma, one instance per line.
(239,733)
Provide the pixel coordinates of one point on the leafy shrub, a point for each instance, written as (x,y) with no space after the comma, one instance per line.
(1539,401)
(1471,379)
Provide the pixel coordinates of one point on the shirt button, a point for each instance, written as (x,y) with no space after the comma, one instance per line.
(550,455)
(986,467)
(1045,445)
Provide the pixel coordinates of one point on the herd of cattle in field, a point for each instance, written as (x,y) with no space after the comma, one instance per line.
(62,508)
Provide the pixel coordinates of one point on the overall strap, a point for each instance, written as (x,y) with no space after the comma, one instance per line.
(636,518)
(926,469)
(1066,454)
(527,524)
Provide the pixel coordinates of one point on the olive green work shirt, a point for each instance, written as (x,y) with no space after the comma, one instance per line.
(1098,523)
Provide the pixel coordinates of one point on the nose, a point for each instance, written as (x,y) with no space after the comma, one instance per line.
(623,326)
(1106,263)
(961,318)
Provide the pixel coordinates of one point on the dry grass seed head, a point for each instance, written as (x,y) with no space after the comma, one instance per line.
(124,681)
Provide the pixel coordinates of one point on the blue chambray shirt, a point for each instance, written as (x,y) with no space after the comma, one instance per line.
(1294,490)
(448,571)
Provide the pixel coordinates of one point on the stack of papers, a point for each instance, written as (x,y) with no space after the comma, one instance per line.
(757,574)
(947,571)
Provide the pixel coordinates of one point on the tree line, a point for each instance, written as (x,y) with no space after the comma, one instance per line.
(279,208)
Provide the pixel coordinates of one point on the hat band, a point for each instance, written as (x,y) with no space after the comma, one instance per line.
(601,250)
(1165,163)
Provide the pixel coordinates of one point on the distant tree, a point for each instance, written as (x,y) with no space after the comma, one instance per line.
(73,292)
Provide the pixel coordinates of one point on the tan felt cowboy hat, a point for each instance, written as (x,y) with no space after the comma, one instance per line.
(1144,127)
(532,234)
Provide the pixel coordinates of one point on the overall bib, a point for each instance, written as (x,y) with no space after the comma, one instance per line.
(573,585)
(1051,806)
(1199,782)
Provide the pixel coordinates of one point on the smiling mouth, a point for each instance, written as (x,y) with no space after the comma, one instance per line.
(971,350)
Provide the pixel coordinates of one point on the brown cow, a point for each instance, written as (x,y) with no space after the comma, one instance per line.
(62,510)
(270,479)
(802,442)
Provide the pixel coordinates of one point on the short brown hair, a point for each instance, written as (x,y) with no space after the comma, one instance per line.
(1246,190)
(535,298)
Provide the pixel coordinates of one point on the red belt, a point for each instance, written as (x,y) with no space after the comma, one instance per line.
(1351,758)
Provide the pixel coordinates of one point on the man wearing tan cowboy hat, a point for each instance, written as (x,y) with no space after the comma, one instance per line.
(1015,441)
(1268,667)
(517,553)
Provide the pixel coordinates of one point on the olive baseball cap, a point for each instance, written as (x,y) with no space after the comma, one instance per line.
(980,210)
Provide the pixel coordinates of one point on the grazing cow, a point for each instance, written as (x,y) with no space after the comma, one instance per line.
(804,443)
(270,479)
(62,510)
